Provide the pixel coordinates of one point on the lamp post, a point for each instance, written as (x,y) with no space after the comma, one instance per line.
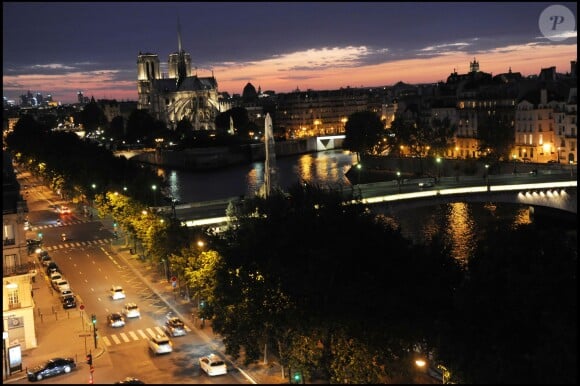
(399,180)
(154,188)
(514,158)
(487,176)
(358,168)
(438,159)
(571,169)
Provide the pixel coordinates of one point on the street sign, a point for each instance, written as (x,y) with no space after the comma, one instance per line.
(84,335)
(174,284)
(173,279)
(82,307)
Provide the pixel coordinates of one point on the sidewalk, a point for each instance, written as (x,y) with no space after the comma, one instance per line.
(59,332)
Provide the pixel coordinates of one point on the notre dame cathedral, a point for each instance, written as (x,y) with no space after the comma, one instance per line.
(179,94)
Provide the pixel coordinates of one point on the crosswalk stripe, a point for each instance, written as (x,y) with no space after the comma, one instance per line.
(115,339)
(125,337)
(150,332)
(133,335)
(187,328)
(159,330)
(107,341)
(142,334)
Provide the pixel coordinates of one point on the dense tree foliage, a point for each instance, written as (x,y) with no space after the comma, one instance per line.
(303,267)
(92,117)
(496,137)
(84,166)
(364,133)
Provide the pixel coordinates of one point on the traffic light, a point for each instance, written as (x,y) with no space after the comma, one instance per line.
(89,359)
(94,319)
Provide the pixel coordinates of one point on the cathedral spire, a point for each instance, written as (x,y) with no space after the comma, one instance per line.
(178,36)
(181,67)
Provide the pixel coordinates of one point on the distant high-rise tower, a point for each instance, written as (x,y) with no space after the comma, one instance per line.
(80,97)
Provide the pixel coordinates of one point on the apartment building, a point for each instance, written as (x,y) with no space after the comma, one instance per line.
(545,129)
(17,271)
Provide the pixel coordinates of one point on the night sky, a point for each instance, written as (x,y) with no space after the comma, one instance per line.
(61,48)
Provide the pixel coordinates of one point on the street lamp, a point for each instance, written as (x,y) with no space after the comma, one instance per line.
(438,159)
(445,373)
(514,157)
(154,188)
(399,180)
(487,176)
(571,169)
(358,167)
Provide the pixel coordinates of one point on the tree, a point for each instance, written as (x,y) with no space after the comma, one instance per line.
(116,128)
(92,117)
(363,132)
(496,137)
(442,133)
(139,125)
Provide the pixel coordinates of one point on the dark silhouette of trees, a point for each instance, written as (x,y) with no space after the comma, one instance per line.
(496,137)
(92,117)
(355,282)
(363,132)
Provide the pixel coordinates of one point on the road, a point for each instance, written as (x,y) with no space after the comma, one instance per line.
(91,266)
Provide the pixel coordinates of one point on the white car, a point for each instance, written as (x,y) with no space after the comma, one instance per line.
(117,292)
(61,285)
(160,344)
(55,276)
(175,327)
(130,310)
(213,365)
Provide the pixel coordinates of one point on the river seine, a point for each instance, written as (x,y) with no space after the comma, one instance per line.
(461,224)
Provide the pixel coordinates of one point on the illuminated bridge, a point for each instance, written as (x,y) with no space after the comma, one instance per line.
(557,191)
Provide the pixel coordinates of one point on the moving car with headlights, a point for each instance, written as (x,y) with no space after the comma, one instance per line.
(115,320)
(117,292)
(175,327)
(213,365)
(160,344)
(130,310)
(51,367)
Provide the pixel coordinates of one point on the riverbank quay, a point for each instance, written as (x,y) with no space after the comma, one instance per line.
(212,158)
(385,168)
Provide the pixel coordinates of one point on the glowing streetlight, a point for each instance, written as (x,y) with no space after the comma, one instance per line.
(399,180)
(154,188)
(487,176)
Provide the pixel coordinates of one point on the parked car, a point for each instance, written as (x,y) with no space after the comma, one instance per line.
(160,344)
(117,292)
(50,368)
(213,365)
(66,292)
(52,268)
(56,276)
(115,320)
(130,310)
(175,327)
(60,285)
(68,301)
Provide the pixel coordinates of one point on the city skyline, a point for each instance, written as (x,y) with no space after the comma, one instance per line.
(63,48)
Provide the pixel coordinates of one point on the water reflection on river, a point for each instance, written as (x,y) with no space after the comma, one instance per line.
(461,224)
(321,168)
